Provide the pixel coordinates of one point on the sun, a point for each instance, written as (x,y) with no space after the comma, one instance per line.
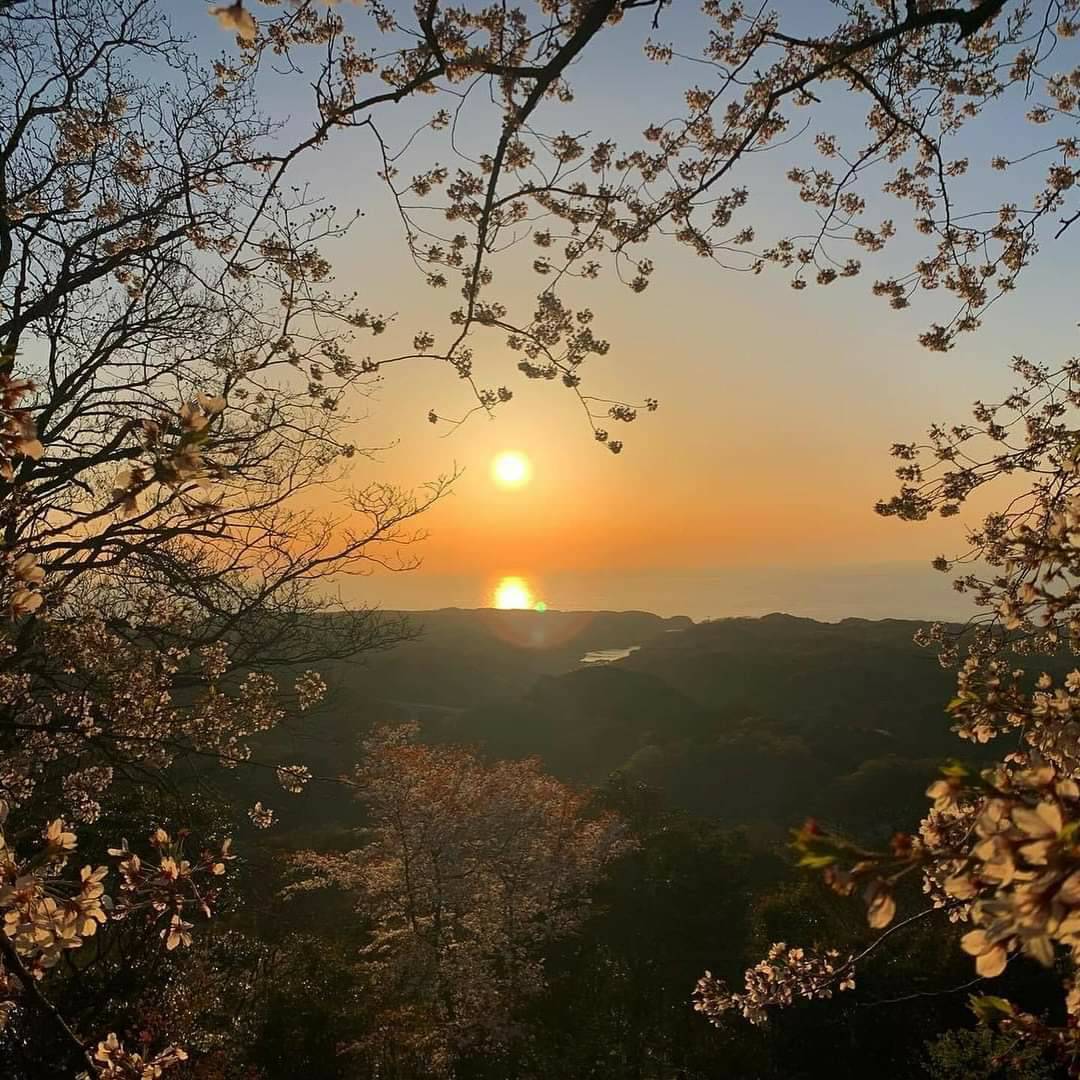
(511,469)
(513,592)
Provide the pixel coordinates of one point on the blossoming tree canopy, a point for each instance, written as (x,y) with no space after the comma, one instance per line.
(470,870)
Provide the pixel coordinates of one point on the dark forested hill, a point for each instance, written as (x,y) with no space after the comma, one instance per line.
(462,658)
(711,740)
(744,720)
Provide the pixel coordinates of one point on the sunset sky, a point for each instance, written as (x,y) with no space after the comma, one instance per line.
(752,487)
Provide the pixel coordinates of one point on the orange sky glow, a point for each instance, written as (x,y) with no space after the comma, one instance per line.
(770,446)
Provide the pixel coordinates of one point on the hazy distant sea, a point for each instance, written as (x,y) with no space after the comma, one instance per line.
(829,593)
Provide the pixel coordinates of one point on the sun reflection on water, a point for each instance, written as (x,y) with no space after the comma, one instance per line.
(513,592)
(517,615)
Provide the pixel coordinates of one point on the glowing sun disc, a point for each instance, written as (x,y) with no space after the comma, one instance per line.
(513,592)
(511,469)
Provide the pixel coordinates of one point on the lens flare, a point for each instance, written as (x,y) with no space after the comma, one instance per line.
(512,592)
(511,469)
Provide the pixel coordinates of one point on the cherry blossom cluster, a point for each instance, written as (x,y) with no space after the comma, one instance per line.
(18,432)
(175,447)
(111,1059)
(47,912)
(787,974)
